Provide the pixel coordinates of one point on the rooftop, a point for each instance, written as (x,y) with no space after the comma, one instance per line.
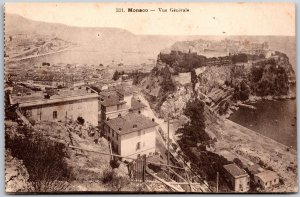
(234,170)
(136,104)
(130,123)
(255,169)
(58,95)
(110,99)
(267,176)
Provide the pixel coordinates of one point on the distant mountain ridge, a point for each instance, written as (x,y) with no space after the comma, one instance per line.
(113,42)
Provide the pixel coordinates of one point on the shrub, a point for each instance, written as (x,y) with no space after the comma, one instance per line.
(108,176)
(116,182)
(43,159)
(114,163)
(80,120)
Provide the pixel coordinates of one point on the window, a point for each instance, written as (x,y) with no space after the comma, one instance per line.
(113,133)
(138,146)
(55,115)
(143,144)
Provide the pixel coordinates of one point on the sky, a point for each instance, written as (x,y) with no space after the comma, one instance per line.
(202,18)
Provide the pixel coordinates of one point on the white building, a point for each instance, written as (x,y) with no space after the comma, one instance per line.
(266,179)
(238,178)
(131,135)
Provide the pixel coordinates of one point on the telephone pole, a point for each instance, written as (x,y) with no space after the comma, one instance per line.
(217,182)
(168,144)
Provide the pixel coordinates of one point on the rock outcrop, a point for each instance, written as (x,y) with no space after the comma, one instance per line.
(16,175)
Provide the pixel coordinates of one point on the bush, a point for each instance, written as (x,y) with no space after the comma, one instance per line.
(43,159)
(114,163)
(108,176)
(80,120)
(116,182)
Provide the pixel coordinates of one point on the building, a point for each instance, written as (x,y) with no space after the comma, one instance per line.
(238,178)
(119,101)
(266,179)
(183,78)
(137,106)
(131,135)
(112,105)
(60,105)
(254,169)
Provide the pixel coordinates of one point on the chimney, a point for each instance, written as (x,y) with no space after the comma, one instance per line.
(153,120)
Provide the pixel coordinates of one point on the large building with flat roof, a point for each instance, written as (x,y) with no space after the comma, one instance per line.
(60,105)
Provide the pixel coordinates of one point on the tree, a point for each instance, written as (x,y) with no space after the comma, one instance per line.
(80,120)
(193,78)
(116,76)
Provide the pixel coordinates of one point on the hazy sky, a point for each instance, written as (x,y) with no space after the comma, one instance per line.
(203,18)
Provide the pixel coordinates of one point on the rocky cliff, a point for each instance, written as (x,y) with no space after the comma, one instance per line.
(219,82)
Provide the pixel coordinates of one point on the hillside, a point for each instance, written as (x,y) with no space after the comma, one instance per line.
(222,83)
(102,42)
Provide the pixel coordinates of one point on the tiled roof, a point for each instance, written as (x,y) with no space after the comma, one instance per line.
(267,176)
(234,170)
(130,123)
(111,99)
(136,104)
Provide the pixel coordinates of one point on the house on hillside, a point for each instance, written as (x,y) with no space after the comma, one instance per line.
(131,135)
(237,178)
(119,101)
(112,105)
(60,105)
(266,179)
(137,106)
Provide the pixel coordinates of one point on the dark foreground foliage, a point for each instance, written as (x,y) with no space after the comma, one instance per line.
(43,159)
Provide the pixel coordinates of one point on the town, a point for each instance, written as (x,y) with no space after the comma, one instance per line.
(122,116)
(108,110)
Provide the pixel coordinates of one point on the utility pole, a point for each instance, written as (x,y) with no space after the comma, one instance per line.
(217,182)
(168,144)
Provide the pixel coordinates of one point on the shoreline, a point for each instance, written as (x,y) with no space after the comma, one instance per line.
(255,99)
(237,141)
(236,107)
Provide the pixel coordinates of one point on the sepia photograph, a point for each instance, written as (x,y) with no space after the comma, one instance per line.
(150,98)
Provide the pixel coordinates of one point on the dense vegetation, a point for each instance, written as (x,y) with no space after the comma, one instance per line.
(269,77)
(194,141)
(43,159)
(183,62)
